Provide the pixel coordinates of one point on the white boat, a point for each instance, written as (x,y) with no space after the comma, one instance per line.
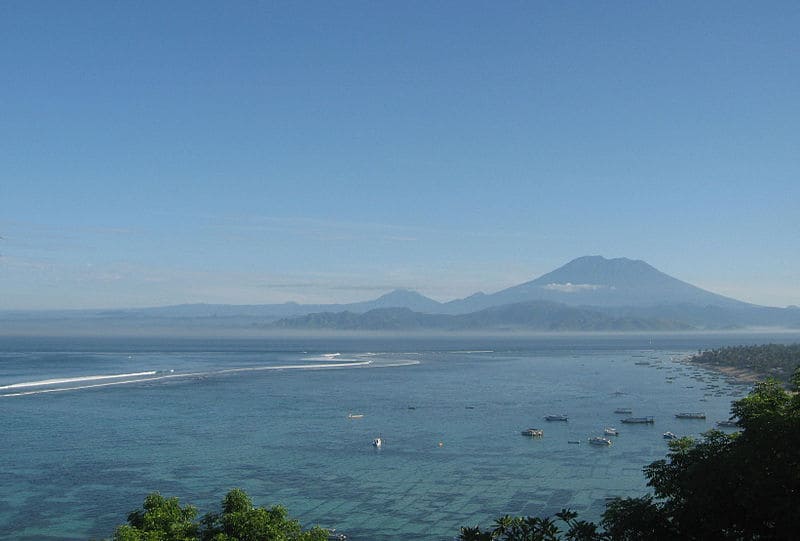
(611,431)
(555,417)
(670,436)
(597,440)
(377,442)
(355,415)
(533,432)
(728,424)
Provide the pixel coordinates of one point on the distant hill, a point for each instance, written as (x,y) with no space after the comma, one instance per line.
(530,316)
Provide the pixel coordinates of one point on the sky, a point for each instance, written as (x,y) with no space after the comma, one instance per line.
(156,153)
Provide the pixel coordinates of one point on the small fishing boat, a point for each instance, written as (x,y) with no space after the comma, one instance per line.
(691,415)
(610,431)
(355,415)
(626,411)
(533,432)
(638,420)
(555,418)
(670,436)
(377,442)
(728,424)
(597,440)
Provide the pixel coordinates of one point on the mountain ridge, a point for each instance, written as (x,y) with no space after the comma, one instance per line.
(619,288)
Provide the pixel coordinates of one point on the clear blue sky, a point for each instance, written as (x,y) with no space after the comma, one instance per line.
(246,152)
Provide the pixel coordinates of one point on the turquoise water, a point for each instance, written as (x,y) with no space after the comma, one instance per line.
(212,415)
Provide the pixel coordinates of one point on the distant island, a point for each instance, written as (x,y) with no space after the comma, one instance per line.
(588,294)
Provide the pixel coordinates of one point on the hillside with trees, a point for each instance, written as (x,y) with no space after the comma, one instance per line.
(776,360)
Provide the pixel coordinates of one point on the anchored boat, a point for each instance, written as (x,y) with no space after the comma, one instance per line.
(597,440)
(691,415)
(638,420)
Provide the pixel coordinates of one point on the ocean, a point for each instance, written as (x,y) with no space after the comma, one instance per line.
(91,426)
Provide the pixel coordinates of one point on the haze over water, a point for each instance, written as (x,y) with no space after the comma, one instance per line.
(194,418)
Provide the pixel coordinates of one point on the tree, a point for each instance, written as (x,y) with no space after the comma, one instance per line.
(160,519)
(241,521)
(163,519)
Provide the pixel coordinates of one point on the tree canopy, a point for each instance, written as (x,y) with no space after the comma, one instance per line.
(163,519)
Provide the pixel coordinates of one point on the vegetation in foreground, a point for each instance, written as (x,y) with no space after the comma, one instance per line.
(775,360)
(742,486)
(163,519)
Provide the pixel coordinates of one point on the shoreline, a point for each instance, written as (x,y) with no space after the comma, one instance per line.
(743,375)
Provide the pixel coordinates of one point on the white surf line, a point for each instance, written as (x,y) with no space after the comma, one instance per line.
(44,382)
(190,375)
(294,367)
(109,384)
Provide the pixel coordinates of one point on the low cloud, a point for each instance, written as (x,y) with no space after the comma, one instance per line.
(569,287)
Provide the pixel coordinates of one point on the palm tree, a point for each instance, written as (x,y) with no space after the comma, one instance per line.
(474,534)
(503,525)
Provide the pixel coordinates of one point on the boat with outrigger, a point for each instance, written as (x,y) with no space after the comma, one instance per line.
(638,420)
(533,432)
(691,415)
(598,440)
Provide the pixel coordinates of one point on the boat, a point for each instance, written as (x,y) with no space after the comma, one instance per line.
(597,440)
(574,441)
(533,432)
(610,431)
(728,424)
(333,535)
(377,442)
(555,417)
(637,420)
(670,436)
(626,411)
(355,415)
(691,415)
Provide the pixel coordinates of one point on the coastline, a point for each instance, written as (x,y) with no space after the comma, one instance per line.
(741,375)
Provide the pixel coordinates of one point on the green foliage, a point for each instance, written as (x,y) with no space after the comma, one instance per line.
(163,519)
(775,360)
(160,519)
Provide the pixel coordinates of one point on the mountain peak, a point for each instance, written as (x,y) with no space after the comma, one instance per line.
(402,294)
(401,297)
(596,270)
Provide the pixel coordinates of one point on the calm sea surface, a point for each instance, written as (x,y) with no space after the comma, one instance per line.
(194,418)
